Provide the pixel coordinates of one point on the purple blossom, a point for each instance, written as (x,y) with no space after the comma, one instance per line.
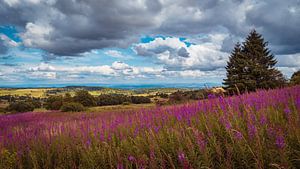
(120,166)
(181,157)
(251,130)
(131,158)
(263,120)
(238,135)
(280,143)
(287,112)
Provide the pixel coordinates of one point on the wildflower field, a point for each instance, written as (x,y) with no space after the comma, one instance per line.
(255,130)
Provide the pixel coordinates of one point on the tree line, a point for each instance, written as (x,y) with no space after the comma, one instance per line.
(79,102)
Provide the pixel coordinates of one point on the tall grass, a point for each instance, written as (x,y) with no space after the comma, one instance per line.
(256,130)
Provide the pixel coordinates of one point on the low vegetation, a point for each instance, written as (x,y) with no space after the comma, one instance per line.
(72,107)
(20,106)
(255,130)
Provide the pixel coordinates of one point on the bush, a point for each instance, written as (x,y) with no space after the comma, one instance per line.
(140,99)
(54,102)
(85,98)
(20,106)
(35,102)
(72,107)
(112,99)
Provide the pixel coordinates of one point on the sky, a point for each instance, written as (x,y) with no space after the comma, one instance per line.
(138,41)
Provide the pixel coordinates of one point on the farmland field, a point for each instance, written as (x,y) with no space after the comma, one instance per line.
(43,92)
(255,130)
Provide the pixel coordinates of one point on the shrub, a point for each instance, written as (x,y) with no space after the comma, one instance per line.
(85,98)
(140,99)
(35,102)
(72,107)
(54,102)
(20,106)
(112,99)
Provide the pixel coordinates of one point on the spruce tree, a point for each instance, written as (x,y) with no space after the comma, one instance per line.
(251,66)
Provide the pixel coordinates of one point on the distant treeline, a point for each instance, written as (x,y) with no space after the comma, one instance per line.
(79,102)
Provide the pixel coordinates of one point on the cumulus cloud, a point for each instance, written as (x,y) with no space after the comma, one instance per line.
(116,54)
(175,54)
(115,70)
(72,27)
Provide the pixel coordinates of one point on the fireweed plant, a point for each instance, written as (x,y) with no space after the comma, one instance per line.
(254,130)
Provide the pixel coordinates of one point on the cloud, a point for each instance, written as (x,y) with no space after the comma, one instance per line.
(3,48)
(42,75)
(117,54)
(290,60)
(174,54)
(6,43)
(72,27)
(278,21)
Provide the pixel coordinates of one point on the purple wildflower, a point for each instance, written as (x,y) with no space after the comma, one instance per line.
(287,112)
(227,125)
(263,120)
(88,143)
(120,166)
(251,130)
(181,157)
(238,135)
(131,158)
(280,142)
(152,154)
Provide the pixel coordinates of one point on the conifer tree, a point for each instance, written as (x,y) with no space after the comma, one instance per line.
(251,66)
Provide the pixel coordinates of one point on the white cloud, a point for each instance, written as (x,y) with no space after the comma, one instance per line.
(175,54)
(36,35)
(7,41)
(42,75)
(291,60)
(114,53)
(119,65)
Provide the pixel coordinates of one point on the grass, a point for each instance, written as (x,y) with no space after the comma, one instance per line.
(41,92)
(256,130)
(24,92)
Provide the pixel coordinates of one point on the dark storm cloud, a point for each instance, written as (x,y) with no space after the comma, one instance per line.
(67,28)
(279,21)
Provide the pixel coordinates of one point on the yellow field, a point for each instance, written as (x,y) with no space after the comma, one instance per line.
(24,92)
(42,92)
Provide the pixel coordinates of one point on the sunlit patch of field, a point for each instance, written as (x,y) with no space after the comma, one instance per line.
(43,92)
(25,92)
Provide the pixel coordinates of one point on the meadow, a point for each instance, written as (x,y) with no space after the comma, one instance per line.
(253,130)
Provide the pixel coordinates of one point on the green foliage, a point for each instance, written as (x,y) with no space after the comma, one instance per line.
(116,99)
(140,99)
(8,160)
(112,99)
(162,95)
(251,66)
(20,106)
(85,98)
(295,79)
(35,102)
(182,96)
(72,107)
(54,102)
